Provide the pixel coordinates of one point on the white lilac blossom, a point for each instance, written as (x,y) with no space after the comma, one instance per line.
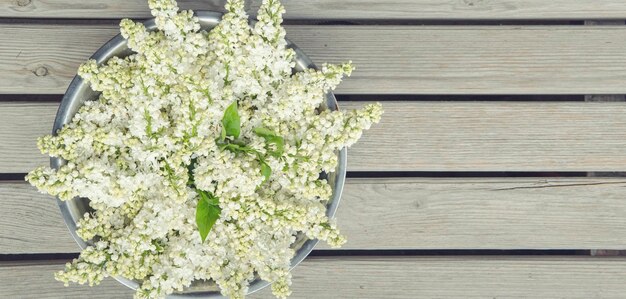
(154,142)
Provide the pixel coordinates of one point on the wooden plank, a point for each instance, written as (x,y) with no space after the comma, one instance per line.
(26,121)
(459,213)
(389,277)
(347,9)
(494,136)
(36,280)
(31,222)
(424,136)
(605,97)
(389,59)
(486,213)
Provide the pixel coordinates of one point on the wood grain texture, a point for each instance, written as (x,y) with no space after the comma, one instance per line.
(494,136)
(429,213)
(389,277)
(424,136)
(389,59)
(36,280)
(31,222)
(27,122)
(346,9)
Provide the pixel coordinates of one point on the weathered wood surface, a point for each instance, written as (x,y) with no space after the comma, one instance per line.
(22,124)
(346,9)
(389,59)
(452,213)
(423,136)
(388,277)
(488,213)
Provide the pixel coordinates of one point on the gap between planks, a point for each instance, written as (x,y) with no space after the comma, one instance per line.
(410,213)
(385,277)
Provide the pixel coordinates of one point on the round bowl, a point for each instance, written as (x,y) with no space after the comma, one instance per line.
(78,92)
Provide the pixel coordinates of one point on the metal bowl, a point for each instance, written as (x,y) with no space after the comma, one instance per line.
(78,92)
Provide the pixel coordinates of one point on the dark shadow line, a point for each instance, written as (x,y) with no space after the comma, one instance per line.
(348,252)
(12,176)
(448,252)
(422,174)
(56,98)
(459,98)
(37,257)
(460,174)
(41,98)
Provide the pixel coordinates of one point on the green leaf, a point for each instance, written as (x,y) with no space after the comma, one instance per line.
(280,145)
(209,197)
(266,171)
(264,132)
(231,121)
(207,213)
(237,148)
(230,146)
(271,138)
(223,134)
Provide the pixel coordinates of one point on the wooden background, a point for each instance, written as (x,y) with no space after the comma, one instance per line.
(495,173)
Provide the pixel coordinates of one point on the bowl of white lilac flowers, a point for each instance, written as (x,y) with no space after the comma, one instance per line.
(199,155)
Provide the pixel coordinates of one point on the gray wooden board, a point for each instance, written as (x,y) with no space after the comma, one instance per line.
(389,59)
(419,213)
(387,277)
(461,213)
(345,9)
(423,136)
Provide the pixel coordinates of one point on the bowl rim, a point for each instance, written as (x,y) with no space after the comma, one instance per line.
(78,91)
